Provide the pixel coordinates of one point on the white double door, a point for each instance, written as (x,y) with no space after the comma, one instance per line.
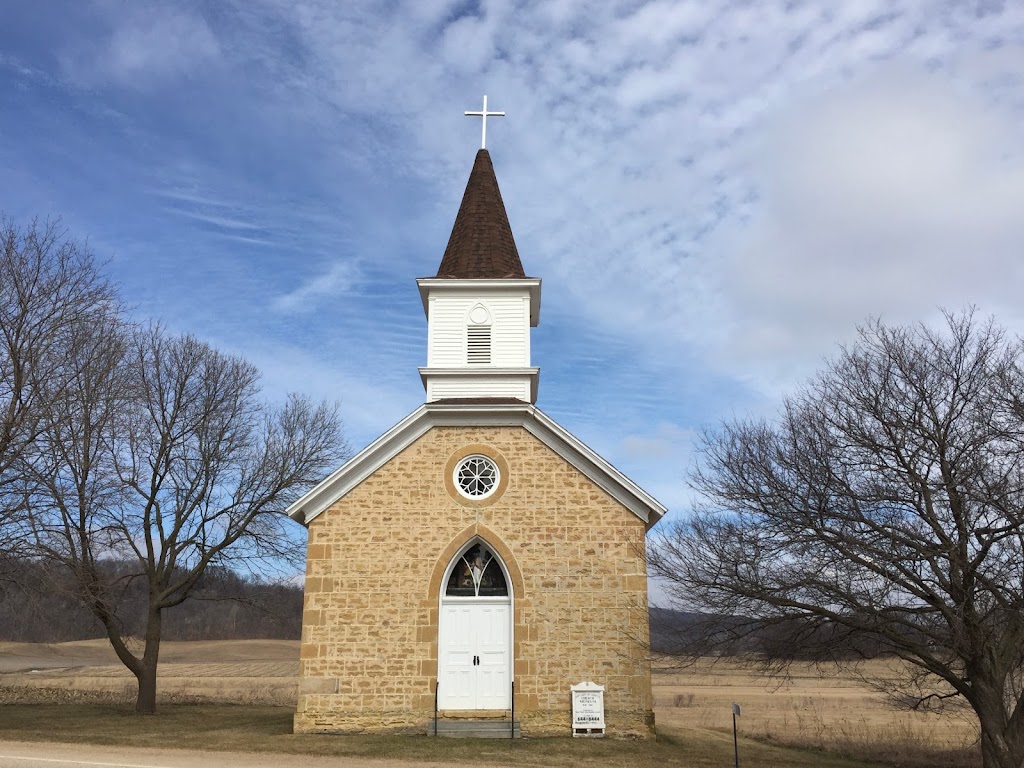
(474,659)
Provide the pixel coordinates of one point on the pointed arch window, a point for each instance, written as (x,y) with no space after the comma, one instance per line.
(477,573)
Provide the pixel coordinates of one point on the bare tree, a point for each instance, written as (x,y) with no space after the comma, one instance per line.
(50,287)
(169,460)
(882,513)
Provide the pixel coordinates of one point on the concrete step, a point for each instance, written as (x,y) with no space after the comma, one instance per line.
(475,729)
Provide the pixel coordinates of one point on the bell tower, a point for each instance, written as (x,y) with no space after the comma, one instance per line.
(480,305)
(498,496)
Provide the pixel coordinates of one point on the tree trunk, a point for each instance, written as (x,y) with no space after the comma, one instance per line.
(145,703)
(997,753)
(1001,743)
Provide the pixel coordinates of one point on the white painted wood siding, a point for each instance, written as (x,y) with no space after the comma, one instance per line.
(486,386)
(510,328)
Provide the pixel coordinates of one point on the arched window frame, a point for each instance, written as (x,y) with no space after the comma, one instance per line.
(462,561)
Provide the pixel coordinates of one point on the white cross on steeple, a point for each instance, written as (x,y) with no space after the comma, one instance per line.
(485,114)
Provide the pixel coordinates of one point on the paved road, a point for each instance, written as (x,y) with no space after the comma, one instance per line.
(22,754)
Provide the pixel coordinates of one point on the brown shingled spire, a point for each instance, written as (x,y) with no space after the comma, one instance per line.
(481,246)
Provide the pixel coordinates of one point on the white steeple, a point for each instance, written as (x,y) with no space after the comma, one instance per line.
(481,305)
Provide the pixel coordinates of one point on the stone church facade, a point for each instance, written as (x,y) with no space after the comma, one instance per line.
(476,560)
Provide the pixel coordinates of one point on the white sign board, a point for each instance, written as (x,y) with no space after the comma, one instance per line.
(587,709)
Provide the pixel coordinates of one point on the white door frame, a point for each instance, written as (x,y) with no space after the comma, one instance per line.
(443,600)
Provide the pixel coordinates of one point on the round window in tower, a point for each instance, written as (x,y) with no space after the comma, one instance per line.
(476,476)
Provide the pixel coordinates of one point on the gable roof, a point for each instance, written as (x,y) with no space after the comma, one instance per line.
(463,414)
(481,246)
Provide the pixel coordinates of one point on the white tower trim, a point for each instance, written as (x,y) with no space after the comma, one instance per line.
(478,338)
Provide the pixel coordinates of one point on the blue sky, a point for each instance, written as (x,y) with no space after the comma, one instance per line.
(714,193)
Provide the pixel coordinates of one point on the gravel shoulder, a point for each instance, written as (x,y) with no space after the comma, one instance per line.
(23,754)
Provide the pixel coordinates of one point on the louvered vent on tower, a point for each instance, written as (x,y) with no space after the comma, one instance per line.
(478,344)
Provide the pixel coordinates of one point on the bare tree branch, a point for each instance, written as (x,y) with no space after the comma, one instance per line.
(50,286)
(881,514)
(167,461)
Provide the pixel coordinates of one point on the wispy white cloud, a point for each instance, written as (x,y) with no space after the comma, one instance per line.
(222,222)
(150,43)
(368,406)
(714,192)
(891,195)
(23,70)
(338,282)
(666,440)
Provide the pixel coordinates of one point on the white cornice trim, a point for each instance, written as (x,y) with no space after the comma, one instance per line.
(531,372)
(535,421)
(358,468)
(532,284)
(480,370)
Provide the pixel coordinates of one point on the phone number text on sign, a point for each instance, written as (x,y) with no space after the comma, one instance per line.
(588,706)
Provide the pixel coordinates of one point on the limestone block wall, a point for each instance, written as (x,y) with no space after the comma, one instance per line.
(373,577)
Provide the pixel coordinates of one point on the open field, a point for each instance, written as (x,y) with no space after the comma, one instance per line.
(815,707)
(239,671)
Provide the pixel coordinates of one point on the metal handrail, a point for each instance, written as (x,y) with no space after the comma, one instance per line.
(512,730)
(437,684)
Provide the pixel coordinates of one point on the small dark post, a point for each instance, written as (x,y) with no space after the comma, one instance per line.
(437,684)
(735,740)
(512,730)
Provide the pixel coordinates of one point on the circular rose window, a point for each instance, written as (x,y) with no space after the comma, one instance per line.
(476,476)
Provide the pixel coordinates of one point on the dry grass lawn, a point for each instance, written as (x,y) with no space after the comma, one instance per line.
(815,709)
(260,728)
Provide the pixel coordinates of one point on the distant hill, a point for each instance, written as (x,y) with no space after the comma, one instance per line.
(673,631)
(41,608)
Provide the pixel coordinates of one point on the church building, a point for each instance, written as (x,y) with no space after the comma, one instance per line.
(477,560)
